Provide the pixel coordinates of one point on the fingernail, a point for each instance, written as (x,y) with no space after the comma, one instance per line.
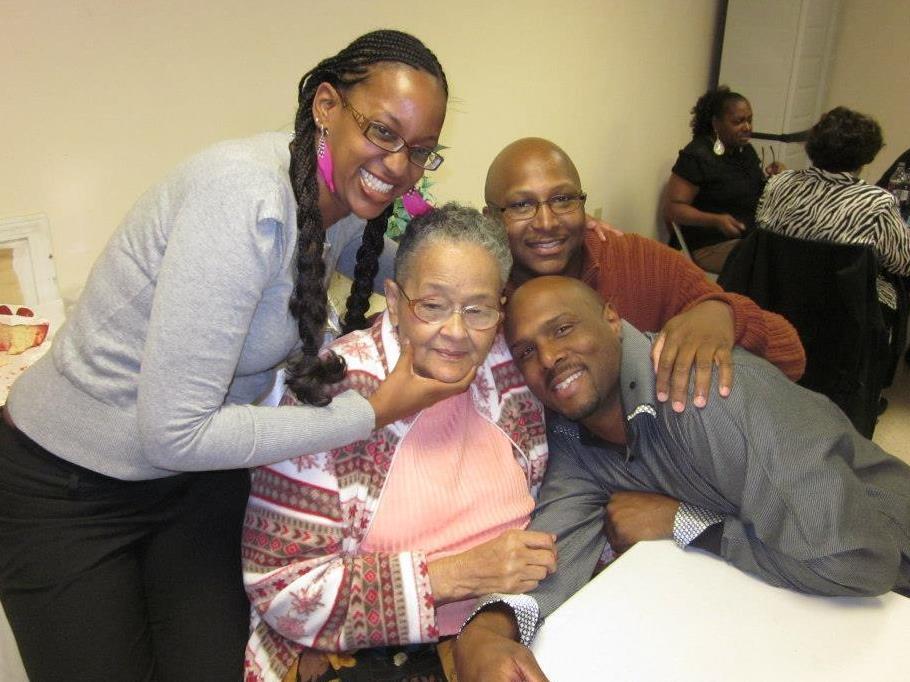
(678,406)
(662,396)
(724,391)
(700,401)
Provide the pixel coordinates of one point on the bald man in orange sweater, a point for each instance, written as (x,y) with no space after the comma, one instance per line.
(535,190)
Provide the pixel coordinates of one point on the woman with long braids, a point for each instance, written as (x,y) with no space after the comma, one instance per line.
(124,451)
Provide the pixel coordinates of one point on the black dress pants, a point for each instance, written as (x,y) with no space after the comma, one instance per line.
(103,579)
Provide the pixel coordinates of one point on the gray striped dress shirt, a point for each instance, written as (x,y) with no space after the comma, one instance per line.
(806,502)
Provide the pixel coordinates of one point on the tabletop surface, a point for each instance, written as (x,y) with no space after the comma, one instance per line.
(662,613)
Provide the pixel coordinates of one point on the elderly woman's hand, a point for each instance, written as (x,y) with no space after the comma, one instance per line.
(514,563)
(404,392)
(702,336)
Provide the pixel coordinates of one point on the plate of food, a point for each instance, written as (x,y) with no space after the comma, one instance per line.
(24,337)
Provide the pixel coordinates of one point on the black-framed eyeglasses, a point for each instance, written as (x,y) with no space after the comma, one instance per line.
(478,317)
(525,209)
(390,141)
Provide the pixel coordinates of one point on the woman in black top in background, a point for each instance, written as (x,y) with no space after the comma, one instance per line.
(717,179)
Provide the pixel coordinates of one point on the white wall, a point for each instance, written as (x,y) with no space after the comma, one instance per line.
(871,71)
(101,97)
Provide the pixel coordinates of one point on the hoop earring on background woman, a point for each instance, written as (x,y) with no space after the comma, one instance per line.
(719,148)
(324,158)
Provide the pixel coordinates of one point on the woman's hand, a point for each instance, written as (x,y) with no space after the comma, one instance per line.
(514,563)
(702,336)
(729,225)
(600,227)
(404,392)
(774,168)
(678,208)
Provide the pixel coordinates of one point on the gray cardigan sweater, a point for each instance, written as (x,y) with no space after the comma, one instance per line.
(180,326)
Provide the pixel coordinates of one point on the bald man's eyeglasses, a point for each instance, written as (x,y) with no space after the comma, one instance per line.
(526,209)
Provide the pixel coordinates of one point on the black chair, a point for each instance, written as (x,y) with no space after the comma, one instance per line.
(896,322)
(827,291)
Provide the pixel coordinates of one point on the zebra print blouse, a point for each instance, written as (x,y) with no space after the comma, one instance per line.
(838,207)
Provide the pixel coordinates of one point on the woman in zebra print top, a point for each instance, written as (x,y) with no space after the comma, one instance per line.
(828,202)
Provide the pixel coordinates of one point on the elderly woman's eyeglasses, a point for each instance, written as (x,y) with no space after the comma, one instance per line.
(390,141)
(526,209)
(438,311)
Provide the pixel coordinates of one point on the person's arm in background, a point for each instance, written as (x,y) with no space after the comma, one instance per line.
(893,241)
(678,208)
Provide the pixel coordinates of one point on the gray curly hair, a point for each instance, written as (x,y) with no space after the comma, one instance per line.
(457,224)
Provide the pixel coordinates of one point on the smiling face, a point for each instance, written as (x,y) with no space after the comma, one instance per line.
(535,170)
(406,102)
(734,128)
(566,343)
(446,272)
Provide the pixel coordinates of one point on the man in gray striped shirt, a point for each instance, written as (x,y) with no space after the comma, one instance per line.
(773,478)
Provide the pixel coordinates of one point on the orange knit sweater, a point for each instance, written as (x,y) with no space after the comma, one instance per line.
(648,283)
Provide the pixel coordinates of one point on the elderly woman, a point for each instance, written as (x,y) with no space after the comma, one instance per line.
(828,202)
(717,179)
(389,541)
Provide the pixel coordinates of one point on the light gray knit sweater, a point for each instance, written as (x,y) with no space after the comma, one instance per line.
(182,321)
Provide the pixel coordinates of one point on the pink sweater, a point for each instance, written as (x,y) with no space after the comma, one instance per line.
(453,485)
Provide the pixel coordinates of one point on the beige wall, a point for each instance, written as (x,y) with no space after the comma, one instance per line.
(871,71)
(101,97)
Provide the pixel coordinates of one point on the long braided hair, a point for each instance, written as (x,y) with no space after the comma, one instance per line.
(308,373)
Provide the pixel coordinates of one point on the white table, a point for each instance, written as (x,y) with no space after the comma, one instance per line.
(661,613)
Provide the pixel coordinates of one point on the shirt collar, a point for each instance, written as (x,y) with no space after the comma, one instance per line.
(840,178)
(638,386)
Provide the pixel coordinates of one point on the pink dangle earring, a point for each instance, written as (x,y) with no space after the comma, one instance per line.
(414,203)
(324,159)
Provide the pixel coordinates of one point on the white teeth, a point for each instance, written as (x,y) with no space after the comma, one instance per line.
(568,380)
(375,183)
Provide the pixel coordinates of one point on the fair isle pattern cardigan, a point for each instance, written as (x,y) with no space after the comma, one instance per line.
(308,582)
